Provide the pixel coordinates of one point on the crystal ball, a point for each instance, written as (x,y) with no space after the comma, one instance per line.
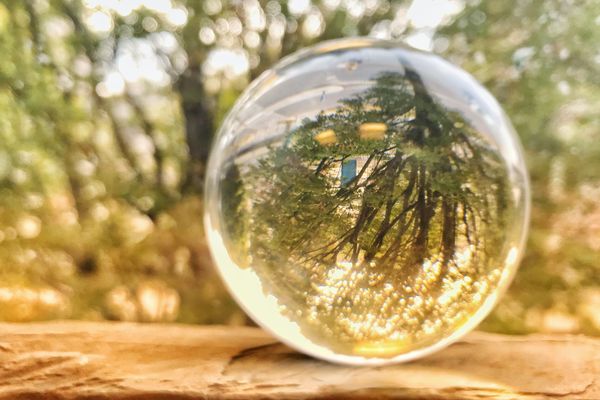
(366,202)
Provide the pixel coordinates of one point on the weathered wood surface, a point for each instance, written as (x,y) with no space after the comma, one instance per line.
(83,360)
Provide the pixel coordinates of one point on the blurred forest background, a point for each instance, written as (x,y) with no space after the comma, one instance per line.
(107,109)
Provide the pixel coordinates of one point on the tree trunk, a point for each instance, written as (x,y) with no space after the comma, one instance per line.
(87,360)
(448,230)
(426,203)
(198,126)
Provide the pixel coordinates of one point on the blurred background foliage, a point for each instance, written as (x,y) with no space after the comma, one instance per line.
(107,109)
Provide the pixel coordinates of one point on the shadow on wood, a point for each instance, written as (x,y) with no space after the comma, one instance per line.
(84,360)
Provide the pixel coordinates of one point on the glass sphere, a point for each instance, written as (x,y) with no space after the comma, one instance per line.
(366,202)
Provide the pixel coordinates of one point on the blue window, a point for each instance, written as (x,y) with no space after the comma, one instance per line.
(348,171)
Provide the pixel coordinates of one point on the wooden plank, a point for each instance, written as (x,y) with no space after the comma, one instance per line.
(87,360)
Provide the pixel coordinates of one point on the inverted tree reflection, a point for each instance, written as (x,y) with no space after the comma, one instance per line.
(376,216)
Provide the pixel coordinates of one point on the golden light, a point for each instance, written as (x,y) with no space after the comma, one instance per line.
(372,130)
(326,137)
(381,349)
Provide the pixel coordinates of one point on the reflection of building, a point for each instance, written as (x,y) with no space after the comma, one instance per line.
(351,167)
(372,131)
(348,171)
(366,131)
(326,137)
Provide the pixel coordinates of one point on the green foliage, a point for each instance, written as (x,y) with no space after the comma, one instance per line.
(538,59)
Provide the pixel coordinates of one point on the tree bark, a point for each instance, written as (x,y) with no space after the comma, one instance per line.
(87,360)
(448,230)
(198,126)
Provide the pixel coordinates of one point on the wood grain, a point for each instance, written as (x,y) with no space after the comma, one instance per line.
(85,360)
